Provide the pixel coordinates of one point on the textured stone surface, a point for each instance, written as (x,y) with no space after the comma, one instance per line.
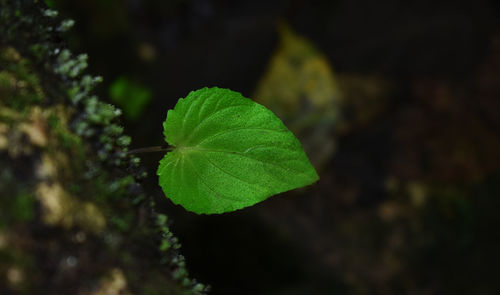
(74,218)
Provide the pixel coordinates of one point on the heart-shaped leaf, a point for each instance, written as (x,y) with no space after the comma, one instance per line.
(229,153)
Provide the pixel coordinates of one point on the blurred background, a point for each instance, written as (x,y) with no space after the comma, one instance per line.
(396,102)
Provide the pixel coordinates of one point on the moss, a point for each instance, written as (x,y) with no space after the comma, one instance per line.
(69,66)
(17,202)
(74,189)
(124,140)
(113,130)
(15,265)
(58,121)
(23,207)
(123,222)
(17,80)
(60,208)
(100,113)
(112,282)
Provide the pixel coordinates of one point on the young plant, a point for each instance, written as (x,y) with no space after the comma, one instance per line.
(228,152)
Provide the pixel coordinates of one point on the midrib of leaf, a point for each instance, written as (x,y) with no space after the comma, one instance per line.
(232,175)
(201,150)
(191,196)
(236,129)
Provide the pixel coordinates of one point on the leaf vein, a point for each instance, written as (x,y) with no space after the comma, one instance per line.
(255,159)
(236,129)
(193,132)
(210,188)
(234,176)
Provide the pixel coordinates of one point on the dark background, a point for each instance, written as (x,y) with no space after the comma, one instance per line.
(407,202)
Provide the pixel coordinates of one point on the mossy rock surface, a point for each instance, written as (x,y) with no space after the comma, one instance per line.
(74,218)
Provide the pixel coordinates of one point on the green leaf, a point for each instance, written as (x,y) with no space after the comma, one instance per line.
(229,153)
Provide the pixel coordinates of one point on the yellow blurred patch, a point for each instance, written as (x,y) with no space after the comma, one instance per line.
(300,87)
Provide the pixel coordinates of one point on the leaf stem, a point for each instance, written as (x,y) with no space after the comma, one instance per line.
(151,149)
